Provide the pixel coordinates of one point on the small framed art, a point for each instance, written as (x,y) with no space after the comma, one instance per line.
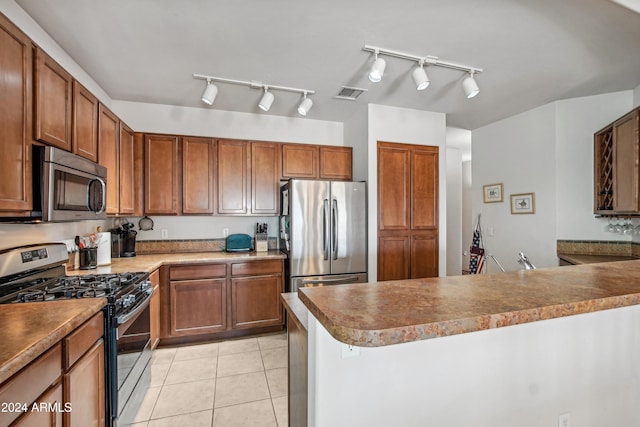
(523,203)
(492,193)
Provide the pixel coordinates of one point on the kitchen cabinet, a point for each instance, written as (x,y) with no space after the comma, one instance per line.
(129,171)
(161,174)
(407,211)
(154,309)
(336,163)
(255,294)
(198,173)
(233,173)
(51,399)
(265,178)
(84,138)
(197,299)
(53,95)
(108,155)
(300,161)
(616,167)
(16,59)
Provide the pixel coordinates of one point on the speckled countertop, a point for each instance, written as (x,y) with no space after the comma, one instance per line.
(386,313)
(296,308)
(591,259)
(28,330)
(149,263)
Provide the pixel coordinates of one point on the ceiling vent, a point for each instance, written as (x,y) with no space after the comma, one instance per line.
(350,93)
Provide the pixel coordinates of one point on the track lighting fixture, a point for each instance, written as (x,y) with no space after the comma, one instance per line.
(305,105)
(209,95)
(377,69)
(419,74)
(267,99)
(470,86)
(420,77)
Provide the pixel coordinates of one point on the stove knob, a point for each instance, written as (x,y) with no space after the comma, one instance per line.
(145,285)
(128,300)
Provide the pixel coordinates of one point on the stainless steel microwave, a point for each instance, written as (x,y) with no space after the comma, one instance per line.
(67,187)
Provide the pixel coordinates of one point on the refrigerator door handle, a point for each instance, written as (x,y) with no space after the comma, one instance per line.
(342,280)
(325,229)
(334,228)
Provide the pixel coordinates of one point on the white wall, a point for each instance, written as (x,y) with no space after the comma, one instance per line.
(467,208)
(355,135)
(407,126)
(454,212)
(518,152)
(636,96)
(524,375)
(549,151)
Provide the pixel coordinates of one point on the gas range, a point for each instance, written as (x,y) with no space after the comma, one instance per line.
(36,274)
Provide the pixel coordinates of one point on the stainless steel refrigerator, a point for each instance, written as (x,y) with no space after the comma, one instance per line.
(323,230)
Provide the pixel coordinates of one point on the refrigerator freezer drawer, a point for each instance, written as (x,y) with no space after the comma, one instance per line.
(335,279)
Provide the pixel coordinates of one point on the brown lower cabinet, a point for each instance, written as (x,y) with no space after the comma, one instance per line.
(154,309)
(67,382)
(219,300)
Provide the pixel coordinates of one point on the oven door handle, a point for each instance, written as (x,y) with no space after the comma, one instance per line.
(120,320)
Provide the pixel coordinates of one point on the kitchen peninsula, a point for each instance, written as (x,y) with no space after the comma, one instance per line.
(517,348)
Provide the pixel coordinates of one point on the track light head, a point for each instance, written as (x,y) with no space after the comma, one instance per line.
(377,69)
(470,86)
(305,105)
(266,100)
(420,77)
(210,93)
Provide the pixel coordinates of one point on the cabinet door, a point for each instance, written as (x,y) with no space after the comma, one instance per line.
(85,123)
(154,309)
(394,180)
(15,120)
(299,161)
(198,161)
(161,174)
(53,102)
(424,188)
(45,418)
(394,257)
(424,255)
(336,163)
(603,171)
(108,144)
(197,306)
(129,186)
(233,167)
(84,389)
(626,156)
(255,301)
(265,178)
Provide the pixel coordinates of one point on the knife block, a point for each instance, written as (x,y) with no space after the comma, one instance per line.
(262,242)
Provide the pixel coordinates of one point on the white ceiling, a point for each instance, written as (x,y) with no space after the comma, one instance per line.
(532,51)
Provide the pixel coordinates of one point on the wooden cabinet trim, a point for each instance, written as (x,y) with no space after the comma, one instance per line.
(85,123)
(195,271)
(256,267)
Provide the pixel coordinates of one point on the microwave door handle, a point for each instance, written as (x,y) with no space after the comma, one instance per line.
(103,193)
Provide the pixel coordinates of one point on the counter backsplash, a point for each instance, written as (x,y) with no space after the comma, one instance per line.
(188,245)
(598,247)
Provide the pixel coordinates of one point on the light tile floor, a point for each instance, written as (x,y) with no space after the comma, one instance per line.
(240,382)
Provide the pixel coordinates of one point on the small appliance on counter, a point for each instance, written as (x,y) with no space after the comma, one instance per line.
(124,245)
(238,243)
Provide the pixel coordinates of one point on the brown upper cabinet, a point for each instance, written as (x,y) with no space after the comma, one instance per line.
(108,155)
(198,172)
(16,57)
(53,92)
(265,178)
(336,163)
(233,167)
(616,167)
(129,171)
(85,123)
(161,174)
(316,162)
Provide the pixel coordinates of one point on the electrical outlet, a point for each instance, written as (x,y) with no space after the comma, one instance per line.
(564,420)
(164,233)
(350,351)
(225,232)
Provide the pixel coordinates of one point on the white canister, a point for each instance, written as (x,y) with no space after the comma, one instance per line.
(104,248)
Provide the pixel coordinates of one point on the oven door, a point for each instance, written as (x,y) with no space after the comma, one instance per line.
(132,355)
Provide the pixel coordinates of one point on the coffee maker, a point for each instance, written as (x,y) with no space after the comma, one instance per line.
(124,243)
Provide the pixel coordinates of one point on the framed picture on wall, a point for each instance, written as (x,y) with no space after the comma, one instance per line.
(523,203)
(492,193)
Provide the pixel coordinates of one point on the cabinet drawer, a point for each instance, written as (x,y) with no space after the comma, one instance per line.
(189,272)
(257,267)
(82,339)
(28,384)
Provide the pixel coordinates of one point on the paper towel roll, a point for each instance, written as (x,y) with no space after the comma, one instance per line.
(104,248)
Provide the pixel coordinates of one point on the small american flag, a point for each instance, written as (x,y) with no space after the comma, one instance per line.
(476,259)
